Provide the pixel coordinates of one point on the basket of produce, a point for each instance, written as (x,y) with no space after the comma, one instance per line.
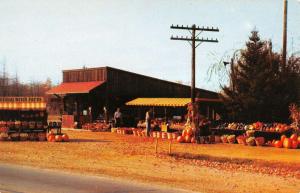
(224,138)
(113,130)
(134,131)
(158,134)
(42,136)
(2,123)
(250,141)
(23,136)
(163,135)
(250,133)
(153,134)
(174,135)
(39,125)
(3,129)
(17,124)
(24,125)
(10,124)
(218,139)
(211,139)
(231,139)
(260,141)
(15,136)
(3,136)
(31,125)
(32,136)
(241,139)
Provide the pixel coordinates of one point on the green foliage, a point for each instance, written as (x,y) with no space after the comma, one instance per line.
(261,87)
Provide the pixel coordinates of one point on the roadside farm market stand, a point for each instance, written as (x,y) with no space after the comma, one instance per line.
(23,117)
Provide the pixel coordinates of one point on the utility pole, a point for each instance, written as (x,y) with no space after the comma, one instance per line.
(192,41)
(284,41)
(194,38)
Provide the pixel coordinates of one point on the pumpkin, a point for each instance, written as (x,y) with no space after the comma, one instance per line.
(189,132)
(187,139)
(282,138)
(51,138)
(180,139)
(193,140)
(65,138)
(295,144)
(250,141)
(294,137)
(260,141)
(58,138)
(278,144)
(287,143)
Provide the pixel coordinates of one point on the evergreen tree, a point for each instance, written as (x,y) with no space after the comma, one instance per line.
(260,87)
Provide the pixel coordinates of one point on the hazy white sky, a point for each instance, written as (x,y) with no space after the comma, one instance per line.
(40,38)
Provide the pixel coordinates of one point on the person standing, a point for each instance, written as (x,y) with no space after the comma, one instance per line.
(148,122)
(118,118)
(105,115)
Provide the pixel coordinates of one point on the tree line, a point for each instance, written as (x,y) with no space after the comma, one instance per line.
(11,86)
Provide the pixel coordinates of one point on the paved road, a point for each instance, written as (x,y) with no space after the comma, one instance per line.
(20,179)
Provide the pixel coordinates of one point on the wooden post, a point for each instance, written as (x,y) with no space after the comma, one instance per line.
(170,144)
(156,143)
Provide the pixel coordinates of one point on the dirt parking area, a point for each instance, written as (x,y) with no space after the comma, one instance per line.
(203,168)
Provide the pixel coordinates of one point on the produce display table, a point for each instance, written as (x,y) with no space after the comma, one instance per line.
(266,134)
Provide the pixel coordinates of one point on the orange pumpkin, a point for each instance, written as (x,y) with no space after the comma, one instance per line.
(189,132)
(287,143)
(278,144)
(282,138)
(294,137)
(180,139)
(58,138)
(187,139)
(65,138)
(51,138)
(295,144)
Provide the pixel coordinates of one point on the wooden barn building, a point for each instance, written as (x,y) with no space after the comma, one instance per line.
(86,91)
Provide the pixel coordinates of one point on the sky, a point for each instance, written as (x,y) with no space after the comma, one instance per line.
(40,38)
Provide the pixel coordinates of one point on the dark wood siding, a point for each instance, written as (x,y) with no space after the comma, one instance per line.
(84,75)
(127,84)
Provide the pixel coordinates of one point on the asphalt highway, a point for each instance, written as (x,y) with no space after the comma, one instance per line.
(21,179)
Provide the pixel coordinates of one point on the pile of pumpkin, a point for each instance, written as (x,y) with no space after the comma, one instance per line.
(187,136)
(96,127)
(292,142)
(51,137)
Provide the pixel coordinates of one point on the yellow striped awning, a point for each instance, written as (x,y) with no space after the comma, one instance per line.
(22,103)
(163,102)
(23,106)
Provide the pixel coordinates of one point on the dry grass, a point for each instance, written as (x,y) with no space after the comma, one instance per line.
(205,168)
